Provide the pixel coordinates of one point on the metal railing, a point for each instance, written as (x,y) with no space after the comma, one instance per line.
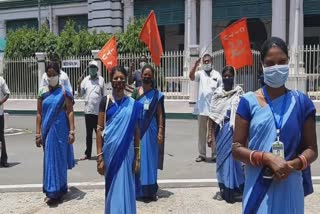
(21,76)
(246,77)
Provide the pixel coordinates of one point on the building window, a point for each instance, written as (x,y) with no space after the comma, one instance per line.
(81,22)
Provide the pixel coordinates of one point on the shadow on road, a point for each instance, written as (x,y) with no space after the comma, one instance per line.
(164,193)
(12,164)
(74,194)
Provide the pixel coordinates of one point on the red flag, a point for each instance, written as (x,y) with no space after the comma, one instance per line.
(151,37)
(109,54)
(236,44)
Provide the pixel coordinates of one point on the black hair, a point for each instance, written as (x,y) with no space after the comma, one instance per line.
(118,69)
(54,57)
(273,41)
(53,65)
(229,69)
(208,55)
(147,66)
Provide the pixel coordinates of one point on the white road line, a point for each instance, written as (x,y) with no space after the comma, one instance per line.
(86,184)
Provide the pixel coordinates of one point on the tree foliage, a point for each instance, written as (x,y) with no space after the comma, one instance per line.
(26,42)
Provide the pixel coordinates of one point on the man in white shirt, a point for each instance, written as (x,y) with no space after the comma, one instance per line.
(4,95)
(63,78)
(92,89)
(209,80)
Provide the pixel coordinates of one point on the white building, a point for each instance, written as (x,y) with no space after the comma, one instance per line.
(207,18)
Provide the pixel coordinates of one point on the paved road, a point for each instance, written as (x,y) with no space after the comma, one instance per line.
(175,201)
(181,150)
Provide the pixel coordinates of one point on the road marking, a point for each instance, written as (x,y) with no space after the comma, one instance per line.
(87,184)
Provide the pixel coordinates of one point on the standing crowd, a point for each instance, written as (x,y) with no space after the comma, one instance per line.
(263,142)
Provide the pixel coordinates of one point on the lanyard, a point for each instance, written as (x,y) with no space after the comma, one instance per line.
(283,108)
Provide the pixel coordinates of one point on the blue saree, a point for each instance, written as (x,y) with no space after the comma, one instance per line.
(268,195)
(151,153)
(229,171)
(118,155)
(58,153)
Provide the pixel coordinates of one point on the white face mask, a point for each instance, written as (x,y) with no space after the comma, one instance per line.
(207,67)
(53,81)
(276,76)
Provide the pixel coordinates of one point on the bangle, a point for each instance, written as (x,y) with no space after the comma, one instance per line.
(137,147)
(251,154)
(303,161)
(99,128)
(101,153)
(72,132)
(161,127)
(38,135)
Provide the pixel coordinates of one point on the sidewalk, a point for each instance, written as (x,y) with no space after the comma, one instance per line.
(171,200)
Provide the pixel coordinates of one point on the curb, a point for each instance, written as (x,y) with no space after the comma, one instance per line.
(163,184)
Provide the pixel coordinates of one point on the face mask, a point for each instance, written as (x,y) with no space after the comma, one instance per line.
(118,85)
(207,67)
(93,72)
(276,76)
(142,64)
(147,80)
(228,84)
(53,81)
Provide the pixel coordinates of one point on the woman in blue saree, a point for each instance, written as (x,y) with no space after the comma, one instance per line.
(275,136)
(118,146)
(55,132)
(223,108)
(152,135)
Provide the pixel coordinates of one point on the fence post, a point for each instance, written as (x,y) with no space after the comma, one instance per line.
(41,58)
(194,55)
(96,58)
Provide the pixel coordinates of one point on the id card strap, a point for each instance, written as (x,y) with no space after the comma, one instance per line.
(283,108)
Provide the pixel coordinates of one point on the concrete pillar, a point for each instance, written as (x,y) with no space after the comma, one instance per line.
(41,57)
(205,27)
(3,29)
(292,23)
(194,86)
(55,25)
(190,36)
(95,57)
(279,19)
(193,32)
(128,13)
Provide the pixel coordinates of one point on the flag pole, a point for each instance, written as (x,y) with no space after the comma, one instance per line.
(210,44)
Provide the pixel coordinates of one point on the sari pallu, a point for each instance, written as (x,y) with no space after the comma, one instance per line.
(118,155)
(152,154)
(268,195)
(58,153)
(229,171)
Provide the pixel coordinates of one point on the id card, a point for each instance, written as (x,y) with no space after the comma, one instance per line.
(278,149)
(146,105)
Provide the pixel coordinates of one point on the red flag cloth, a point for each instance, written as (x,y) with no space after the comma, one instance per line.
(151,37)
(109,54)
(236,44)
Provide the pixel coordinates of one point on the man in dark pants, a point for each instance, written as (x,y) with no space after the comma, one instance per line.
(4,95)
(92,89)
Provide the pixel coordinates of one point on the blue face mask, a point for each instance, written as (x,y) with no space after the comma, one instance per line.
(228,84)
(276,76)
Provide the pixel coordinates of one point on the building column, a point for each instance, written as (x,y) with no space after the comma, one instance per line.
(128,13)
(293,21)
(55,25)
(279,19)
(192,33)
(3,29)
(205,27)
